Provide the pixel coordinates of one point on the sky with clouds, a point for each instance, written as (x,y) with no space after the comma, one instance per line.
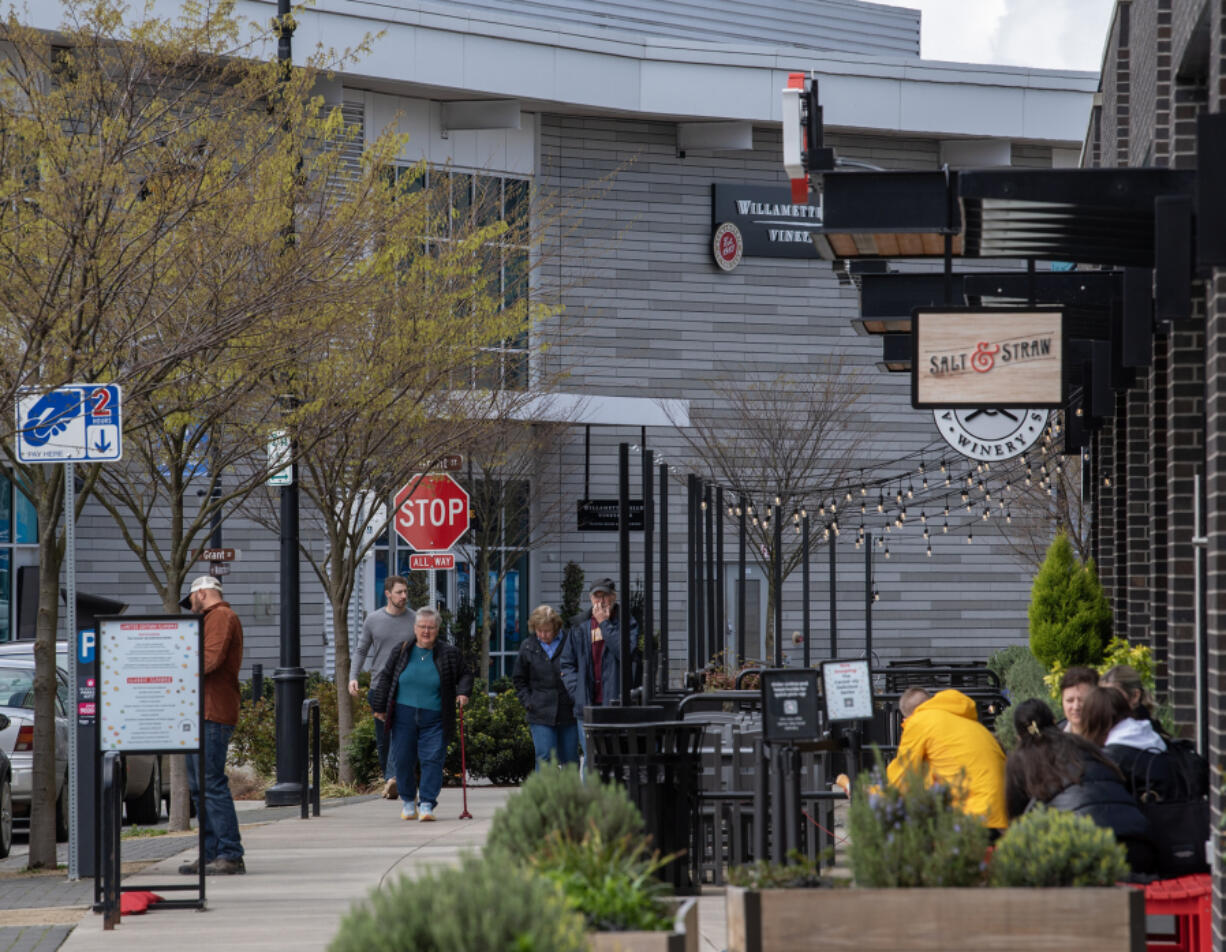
(1052,34)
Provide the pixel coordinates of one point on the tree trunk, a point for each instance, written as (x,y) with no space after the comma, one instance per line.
(50,502)
(344,703)
(179,811)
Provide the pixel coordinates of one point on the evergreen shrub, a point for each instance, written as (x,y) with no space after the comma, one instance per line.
(1054,848)
(1070,617)
(498,745)
(481,906)
(1021,677)
(557,802)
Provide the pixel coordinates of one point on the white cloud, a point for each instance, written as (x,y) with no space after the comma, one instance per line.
(1051,34)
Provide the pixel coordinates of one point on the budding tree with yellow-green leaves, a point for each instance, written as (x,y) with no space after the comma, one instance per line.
(184,218)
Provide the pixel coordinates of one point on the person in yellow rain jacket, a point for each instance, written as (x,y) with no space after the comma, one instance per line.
(943,733)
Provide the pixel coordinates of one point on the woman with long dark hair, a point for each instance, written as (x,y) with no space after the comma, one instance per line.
(1067,772)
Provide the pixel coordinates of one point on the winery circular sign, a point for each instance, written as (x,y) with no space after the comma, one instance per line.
(728,246)
(990,435)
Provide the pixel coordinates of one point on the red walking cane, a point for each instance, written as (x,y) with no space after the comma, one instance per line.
(463,769)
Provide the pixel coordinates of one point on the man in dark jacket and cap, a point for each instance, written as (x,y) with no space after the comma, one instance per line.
(591,658)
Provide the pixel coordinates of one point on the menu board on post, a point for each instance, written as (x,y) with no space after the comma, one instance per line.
(789,705)
(149,674)
(848,689)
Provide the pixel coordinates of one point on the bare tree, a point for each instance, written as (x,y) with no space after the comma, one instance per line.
(789,441)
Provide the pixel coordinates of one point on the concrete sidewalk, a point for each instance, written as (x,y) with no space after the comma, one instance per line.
(302,877)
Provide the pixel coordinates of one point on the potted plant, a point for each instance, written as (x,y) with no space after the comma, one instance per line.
(587,839)
(921,881)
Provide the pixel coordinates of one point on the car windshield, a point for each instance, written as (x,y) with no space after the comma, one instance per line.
(17,687)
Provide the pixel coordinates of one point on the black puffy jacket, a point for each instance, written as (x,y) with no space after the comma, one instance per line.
(538,682)
(1101,796)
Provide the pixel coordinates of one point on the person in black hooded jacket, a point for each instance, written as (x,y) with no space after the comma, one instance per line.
(1067,772)
(538,682)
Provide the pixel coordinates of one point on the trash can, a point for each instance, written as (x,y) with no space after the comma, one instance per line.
(658,762)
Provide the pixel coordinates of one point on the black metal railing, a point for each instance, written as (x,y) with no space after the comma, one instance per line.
(310,758)
(112,821)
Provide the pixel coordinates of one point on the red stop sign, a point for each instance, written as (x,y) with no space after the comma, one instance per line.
(431,512)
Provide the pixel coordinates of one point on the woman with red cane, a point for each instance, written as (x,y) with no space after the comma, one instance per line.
(417,693)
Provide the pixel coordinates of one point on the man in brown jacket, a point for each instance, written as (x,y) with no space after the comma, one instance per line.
(223,655)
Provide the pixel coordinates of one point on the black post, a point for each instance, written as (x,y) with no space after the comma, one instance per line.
(712,639)
(720,608)
(649,641)
(804,580)
(777,568)
(623,540)
(663,659)
(740,583)
(868,598)
(691,575)
(700,600)
(289,677)
(834,600)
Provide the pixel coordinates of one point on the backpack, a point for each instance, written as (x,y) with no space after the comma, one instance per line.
(1178,823)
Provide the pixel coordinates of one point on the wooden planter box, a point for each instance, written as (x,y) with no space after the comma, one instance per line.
(683,938)
(940,920)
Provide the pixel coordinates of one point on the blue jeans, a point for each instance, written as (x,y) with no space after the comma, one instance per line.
(417,736)
(560,742)
(582,749)
(221,836)
(380,740)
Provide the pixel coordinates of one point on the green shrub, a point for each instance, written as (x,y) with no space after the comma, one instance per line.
(479,907)
(1054,848)
(1021,678)
(611,883)
(498,745)
(254,740)
(363,753)
(913,835)
(799,872)
(1070,617)
(557,801)
(572,591)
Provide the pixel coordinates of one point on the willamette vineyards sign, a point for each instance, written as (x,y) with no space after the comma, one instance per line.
(765,221)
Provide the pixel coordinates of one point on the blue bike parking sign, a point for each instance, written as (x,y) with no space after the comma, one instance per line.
(78,423)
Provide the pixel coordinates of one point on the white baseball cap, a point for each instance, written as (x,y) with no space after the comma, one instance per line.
(201,582)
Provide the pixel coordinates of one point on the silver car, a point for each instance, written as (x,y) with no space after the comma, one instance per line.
(146,784)
(17,739)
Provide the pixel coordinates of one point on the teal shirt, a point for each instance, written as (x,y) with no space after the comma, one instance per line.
(419,684)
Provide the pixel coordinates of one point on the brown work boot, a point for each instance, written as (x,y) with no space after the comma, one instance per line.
(190,869)
(389,789)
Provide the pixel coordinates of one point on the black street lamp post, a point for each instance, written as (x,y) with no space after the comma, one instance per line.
(290,678)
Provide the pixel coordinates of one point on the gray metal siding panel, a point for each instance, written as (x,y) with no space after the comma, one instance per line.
(648,314)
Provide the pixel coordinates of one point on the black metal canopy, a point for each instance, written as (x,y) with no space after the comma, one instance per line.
(1090,216)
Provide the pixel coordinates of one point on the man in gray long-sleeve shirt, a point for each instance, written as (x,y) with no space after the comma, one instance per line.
(383,632)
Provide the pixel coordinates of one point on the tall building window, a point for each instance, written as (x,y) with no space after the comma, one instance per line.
(483,199)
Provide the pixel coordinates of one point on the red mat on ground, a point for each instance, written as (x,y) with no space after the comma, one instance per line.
(135,903)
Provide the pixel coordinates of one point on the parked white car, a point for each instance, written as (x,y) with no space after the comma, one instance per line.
(17,739)
(146,784)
